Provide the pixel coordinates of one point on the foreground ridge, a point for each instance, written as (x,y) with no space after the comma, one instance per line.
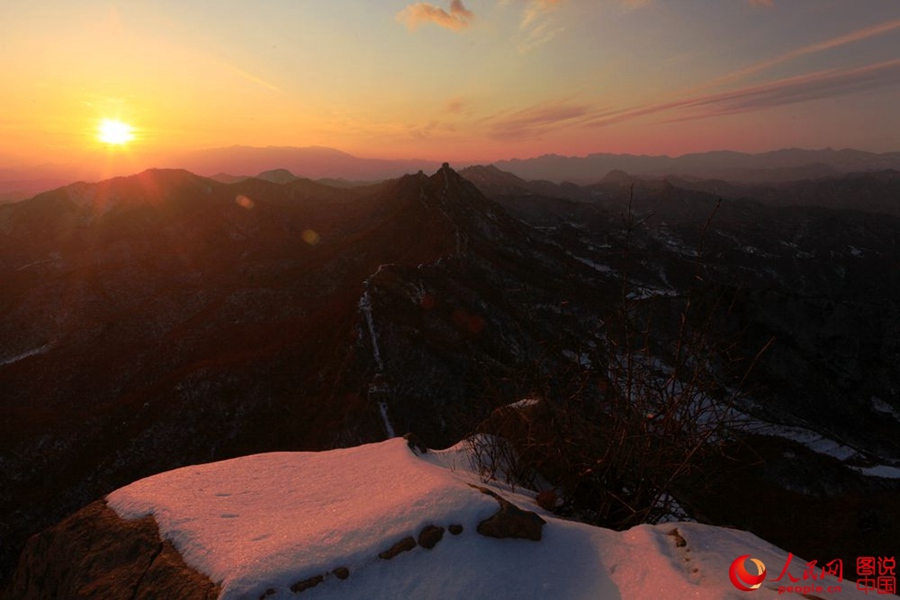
(368,522)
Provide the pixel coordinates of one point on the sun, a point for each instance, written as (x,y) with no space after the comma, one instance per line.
(115,132)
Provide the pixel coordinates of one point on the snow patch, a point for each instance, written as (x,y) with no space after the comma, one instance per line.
(524,403)
(40,350)
(268,521)
(879,405)
(883,471)
(819,444)
(365,305)
(593,265)
(382,408)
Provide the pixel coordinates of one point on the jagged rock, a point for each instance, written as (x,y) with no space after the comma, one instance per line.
(96,554)
(341,572)
(404,545)
(304,585)
(430,536)
(455,529)
(510,521)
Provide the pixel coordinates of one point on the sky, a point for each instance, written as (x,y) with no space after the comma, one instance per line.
(461,80)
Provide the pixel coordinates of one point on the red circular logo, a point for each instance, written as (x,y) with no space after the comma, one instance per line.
(741,577)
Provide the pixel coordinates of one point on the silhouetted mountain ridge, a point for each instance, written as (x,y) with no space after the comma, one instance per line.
(776,166)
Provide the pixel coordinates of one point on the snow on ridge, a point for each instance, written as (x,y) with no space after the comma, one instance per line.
(33,352)
(365,305)
(879,405)
(382,408)
(377,387)
(268,521)
(593,265)
(818,443)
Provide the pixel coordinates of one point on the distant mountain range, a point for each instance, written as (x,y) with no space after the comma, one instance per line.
(768,167)
(313,162)
(235,163)
(227,165)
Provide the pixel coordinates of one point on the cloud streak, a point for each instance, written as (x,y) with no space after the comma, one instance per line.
(836,42)
(534,121)
(457,19)
(822,84)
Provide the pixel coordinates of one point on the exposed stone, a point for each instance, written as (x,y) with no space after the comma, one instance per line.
(455,529)
(304,585)
(96,554)
(404,545)
(341,572)
(680,542)
(430,536)
(415,444)
(510,521)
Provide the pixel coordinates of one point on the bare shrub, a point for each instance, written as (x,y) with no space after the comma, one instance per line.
(615,441)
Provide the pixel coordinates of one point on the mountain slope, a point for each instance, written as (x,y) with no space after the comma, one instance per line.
(162,319)
(165,319)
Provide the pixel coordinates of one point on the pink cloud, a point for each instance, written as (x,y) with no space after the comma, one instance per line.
(534,121)
(456,19)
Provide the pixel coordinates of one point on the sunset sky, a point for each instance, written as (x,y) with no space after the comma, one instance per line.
(470,80)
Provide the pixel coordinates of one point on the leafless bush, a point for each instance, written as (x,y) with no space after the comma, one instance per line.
(657,405)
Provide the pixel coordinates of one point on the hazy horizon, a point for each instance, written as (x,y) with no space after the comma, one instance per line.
(469,81)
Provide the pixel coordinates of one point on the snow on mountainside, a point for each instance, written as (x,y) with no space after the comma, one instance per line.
(273,525)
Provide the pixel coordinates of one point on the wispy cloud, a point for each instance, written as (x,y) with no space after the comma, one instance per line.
(822,84)
(537,9)
(458,18)
(539,119)
(538,24)
(253,78)
(835,42)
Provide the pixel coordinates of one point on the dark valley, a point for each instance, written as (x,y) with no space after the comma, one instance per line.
(166,319)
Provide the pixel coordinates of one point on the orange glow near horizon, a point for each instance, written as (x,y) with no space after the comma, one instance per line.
(494,80)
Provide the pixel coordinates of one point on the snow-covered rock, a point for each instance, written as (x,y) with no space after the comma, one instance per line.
(324,524)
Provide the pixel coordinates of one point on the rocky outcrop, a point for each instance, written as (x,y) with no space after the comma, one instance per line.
(96,554)
(404,545)
(510,521)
